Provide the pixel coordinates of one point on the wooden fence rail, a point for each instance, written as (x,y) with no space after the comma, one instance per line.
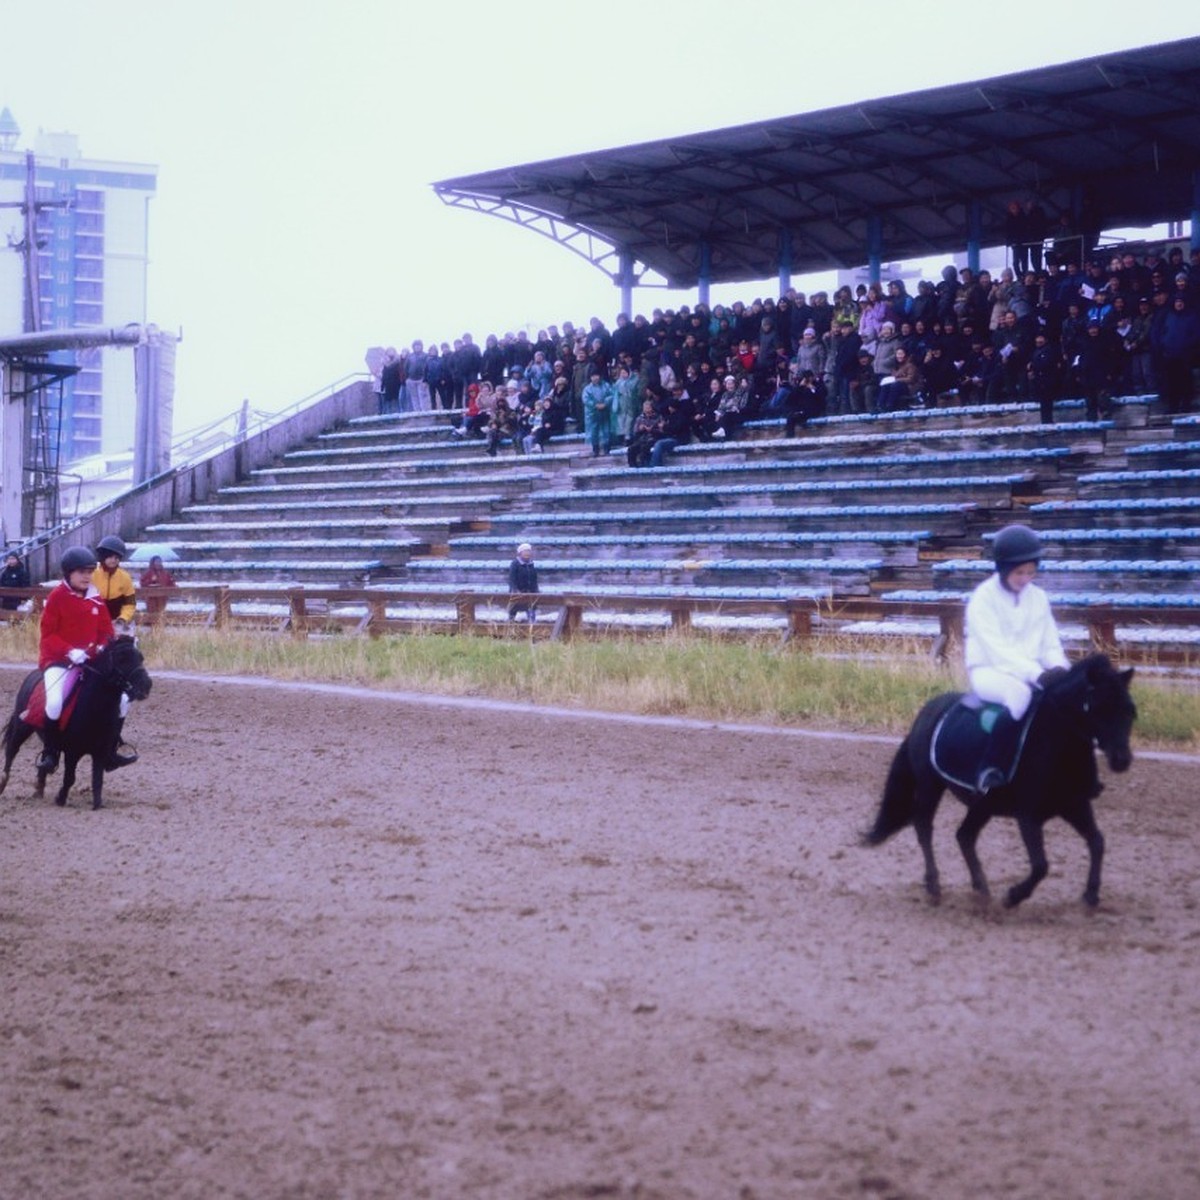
(302,611)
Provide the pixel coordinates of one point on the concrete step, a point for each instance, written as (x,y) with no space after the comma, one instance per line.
(847,577)
(943,519)
(1114,513)
(900,548)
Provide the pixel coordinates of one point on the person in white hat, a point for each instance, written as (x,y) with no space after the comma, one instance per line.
(523,581)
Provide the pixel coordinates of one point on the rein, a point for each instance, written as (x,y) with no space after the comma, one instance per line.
(1070,704)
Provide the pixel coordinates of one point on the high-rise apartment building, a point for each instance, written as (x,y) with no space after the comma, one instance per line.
(92,255)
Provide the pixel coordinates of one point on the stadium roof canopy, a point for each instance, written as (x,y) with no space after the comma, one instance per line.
(902,177)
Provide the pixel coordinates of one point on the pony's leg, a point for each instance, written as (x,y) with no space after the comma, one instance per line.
(39,787)
(1084,823)
(15,736)
(1031,834)
(70,762)
(928,797)
(97,781)
(968,834)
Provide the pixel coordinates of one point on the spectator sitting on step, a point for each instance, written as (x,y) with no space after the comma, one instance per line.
(900,389)
(676,414)
(704,411)
(480,401)
(805,400)
(522,581)
(732,406)
(647,429)
(504,423)
(537,431)
(862,379)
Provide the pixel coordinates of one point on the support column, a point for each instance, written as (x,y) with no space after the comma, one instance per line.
(12,454)
(875,247)
(974,234)
(625,282)
(1195,211)
(785,260)
(705,280)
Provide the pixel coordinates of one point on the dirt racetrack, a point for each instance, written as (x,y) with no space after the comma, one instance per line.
(323,946)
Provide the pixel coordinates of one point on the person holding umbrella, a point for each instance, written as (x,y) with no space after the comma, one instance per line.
(156,576)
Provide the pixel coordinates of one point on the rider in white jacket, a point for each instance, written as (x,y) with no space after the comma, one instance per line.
(1011,635)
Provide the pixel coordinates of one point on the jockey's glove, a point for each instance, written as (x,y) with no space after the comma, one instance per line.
(77,656)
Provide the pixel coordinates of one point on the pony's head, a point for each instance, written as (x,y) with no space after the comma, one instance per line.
(1109,708)
(122,664)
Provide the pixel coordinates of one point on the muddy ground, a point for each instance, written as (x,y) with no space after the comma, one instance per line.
(349,947)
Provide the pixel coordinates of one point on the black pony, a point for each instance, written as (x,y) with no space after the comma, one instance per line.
(93,727)
(1089,704)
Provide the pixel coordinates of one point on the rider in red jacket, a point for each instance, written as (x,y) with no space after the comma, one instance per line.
(75,627)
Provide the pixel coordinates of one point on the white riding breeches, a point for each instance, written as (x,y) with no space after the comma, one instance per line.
(998,687)
(55,679)
(57,690)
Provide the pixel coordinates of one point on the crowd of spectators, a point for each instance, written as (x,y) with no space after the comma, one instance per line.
(1118,322)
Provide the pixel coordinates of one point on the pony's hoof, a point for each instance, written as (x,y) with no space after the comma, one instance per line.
(1091,899)
(61,801)
(934,895)
(1012,898)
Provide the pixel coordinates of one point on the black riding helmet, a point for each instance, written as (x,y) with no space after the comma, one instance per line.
(111,545)
(1014,545)
(76,558)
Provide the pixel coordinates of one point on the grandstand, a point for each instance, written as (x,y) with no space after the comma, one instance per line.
(394,510)
(388,520)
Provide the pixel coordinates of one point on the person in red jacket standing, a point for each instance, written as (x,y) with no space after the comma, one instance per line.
(75,628)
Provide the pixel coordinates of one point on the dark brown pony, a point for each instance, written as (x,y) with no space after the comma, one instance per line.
(1088,706)
(93,726)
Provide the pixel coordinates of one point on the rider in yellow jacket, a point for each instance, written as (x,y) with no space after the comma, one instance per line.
(112,581)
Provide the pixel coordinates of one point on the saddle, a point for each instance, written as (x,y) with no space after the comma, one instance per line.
(974,735)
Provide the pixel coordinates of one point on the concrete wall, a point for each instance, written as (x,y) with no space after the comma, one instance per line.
(162,499)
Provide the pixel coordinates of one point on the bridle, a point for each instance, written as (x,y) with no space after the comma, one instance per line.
(122,679)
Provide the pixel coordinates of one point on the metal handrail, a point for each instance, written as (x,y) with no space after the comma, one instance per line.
(249,423)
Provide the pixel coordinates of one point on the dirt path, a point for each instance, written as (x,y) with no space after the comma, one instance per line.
(347,948)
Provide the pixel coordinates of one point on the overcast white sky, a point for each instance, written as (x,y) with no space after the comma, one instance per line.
(294,223)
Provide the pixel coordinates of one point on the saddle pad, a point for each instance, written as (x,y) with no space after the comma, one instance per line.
(34,714)
(961,738)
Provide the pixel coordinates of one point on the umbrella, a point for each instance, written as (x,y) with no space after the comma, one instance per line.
(148,550)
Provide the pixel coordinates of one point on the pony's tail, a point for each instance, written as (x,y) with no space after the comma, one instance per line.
(8,725)
(898,806)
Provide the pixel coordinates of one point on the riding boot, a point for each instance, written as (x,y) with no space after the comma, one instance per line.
(995,769)
(121,754)
(51,748)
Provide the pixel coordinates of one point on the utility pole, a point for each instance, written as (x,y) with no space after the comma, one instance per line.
(29,245)
(30,426)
